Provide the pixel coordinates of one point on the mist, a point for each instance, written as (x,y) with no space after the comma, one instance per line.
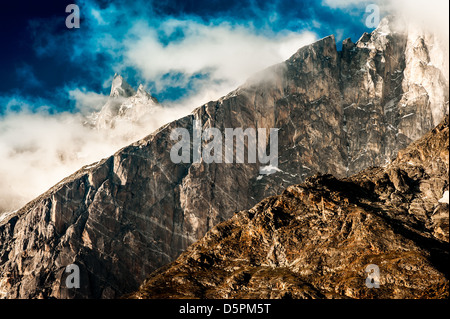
(39,149)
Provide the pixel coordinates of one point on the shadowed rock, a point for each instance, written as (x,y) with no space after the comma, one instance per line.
(127,215)
(316,239)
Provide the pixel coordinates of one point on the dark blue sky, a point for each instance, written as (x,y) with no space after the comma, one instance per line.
(40,58)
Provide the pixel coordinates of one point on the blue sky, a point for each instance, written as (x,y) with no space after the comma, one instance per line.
(42,61)
(186,53)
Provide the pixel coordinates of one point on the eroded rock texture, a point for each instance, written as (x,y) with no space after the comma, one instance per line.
(316,239)
(121,218)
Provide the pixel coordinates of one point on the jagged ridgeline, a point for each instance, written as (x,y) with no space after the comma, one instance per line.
(316,239)
(125,105)
(337,112)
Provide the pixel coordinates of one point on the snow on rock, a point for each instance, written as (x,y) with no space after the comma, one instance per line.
(269,169)
(444,198)
(5,215)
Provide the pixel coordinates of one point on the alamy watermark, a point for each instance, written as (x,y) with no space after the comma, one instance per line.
(73,279)
(213,152)
(373,276)
(373,19)
(73,19)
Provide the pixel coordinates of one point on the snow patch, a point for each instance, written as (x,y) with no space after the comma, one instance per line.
(5,215)
(349,106)
(91,166)
(444,198)
(408,115)
(269,169)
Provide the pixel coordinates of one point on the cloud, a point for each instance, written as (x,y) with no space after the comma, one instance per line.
(344,3)
(425,16)
(202,60)
(38,149)
(431,15)
(87,101)
(187,59)
(17,103)
(171,51)
(226,53)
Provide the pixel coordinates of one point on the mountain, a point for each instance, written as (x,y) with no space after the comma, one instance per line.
(121,218)
(316,239)
(125,106)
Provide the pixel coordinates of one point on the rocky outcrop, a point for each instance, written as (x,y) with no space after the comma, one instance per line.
(125,216)
(124,107)
(316,239)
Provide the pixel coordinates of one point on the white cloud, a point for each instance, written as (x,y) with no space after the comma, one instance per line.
(227,53)
(445,198)
(343,3)
(85,101)
(39,149)
(432,15)
(427,14)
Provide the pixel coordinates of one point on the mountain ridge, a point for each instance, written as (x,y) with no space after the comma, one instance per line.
(129,214)
(316,239)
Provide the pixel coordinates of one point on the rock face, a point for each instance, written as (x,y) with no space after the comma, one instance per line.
(127,215)
(316,239)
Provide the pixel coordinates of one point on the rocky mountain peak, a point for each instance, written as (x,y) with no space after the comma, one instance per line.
(121,88)
(316,239)
(325,46)
(336,112)
(125,106)
(391,24)
(142,93)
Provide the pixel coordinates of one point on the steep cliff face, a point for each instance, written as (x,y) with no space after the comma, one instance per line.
(119,219)
(316,239)
(389,80)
